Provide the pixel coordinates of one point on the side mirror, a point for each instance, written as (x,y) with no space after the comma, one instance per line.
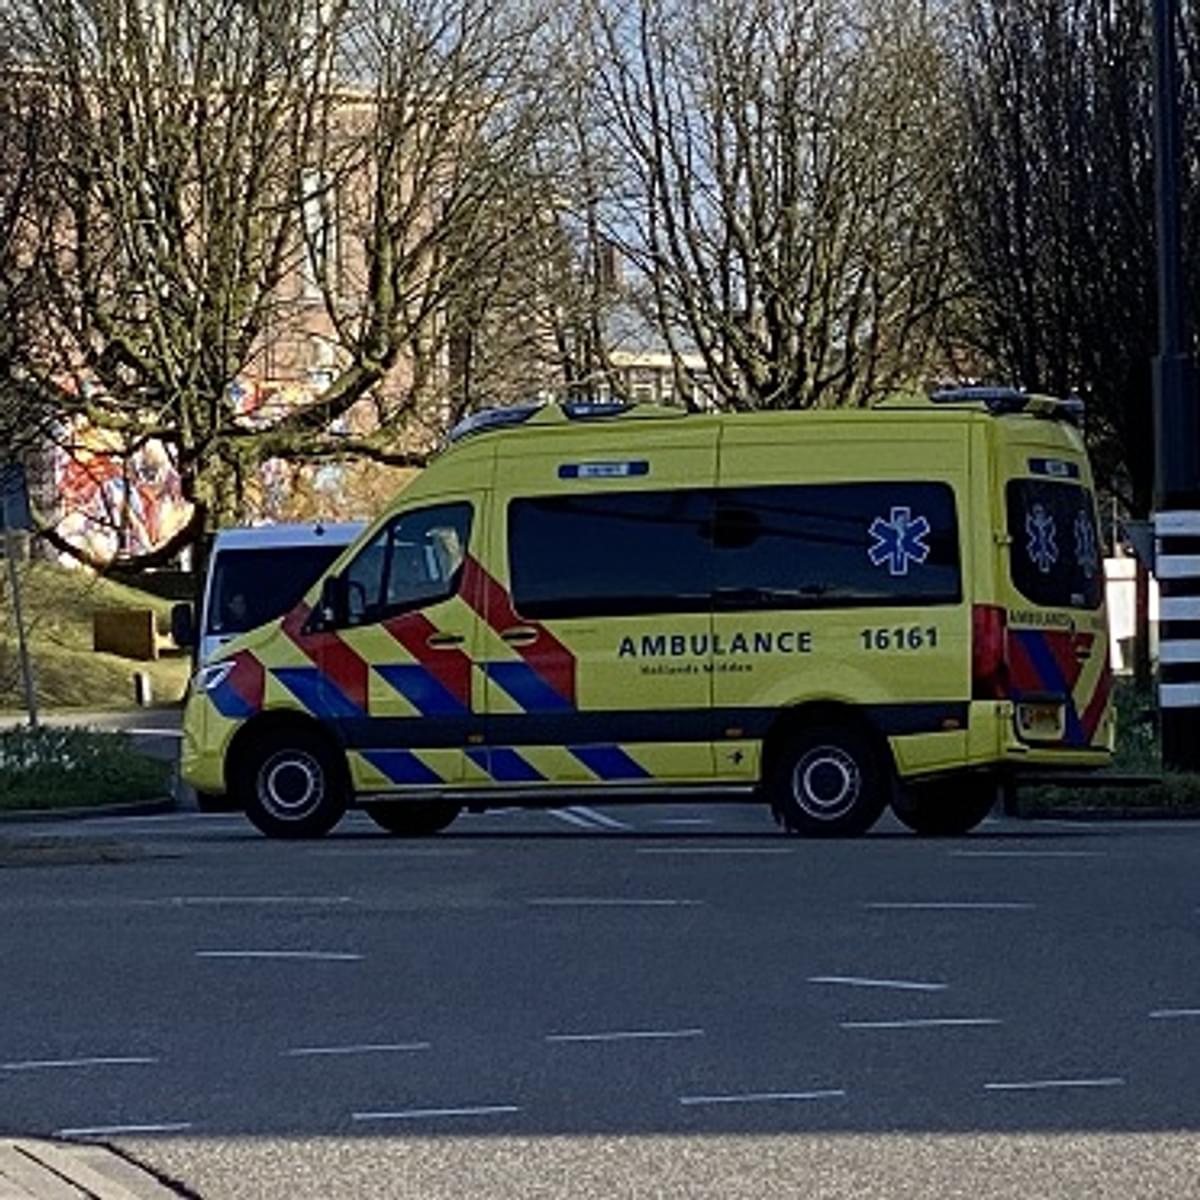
(333,609)
(183,626)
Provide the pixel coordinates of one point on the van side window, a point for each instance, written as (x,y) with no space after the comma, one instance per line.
(836,545)
(414,560)
(611,554)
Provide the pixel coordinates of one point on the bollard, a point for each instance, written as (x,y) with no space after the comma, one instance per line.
(143,692)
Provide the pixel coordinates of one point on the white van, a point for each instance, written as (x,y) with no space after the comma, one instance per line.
(255,574)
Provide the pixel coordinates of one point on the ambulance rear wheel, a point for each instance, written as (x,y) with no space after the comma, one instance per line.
(830,781)
(413,818)
(947,807)
(292,784)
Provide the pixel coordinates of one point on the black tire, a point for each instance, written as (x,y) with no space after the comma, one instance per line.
(211,802)
(413,818)
(830,781)
(946,807)
(293,784)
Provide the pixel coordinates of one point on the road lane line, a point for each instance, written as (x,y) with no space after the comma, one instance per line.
(607,902)
(599,817)
(1167,1014)
(921,1023)
(571,818)
(223,901)
(83,1131)
(358,851)
(1028,854)
(303,955)
(1033,1085)
(904,985)
(764,1097)
(367,1048)
(416,1114)
(54,1064)
(626,1035)
(667,850)
(948,906)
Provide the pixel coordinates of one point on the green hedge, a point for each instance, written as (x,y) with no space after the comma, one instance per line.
(51,768)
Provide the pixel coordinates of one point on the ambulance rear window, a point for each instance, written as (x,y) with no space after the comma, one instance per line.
(1055,554)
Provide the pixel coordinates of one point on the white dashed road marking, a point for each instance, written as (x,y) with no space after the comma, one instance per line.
(921,1023)
(764,1097)
(300,955)
(903,985)
(626,1035)
(948,906)
(608,902)
(84,1131)
(1028,854)
(598,817)
(1034,1085)
(709,850)
(55,1064)
(571,818)
(1169,1014)
(417,1114)
(396,1048)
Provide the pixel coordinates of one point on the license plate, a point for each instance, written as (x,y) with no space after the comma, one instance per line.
(1041,721)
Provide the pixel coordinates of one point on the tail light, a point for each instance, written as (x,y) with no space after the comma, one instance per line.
(989,652)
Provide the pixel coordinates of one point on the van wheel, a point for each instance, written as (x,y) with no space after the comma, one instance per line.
(946,807)
(829,782)
(413,818)
(293,785)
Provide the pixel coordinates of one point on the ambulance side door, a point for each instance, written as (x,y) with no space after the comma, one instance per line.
(597,646)
(403,661)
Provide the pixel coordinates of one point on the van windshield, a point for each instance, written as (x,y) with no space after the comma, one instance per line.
(1055,551)
(253,586)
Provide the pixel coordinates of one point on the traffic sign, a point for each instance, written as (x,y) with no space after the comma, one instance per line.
(14,498)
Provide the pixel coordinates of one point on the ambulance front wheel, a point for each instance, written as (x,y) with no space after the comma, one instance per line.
(413,818)
(946,807)
(829,781)
(292,784)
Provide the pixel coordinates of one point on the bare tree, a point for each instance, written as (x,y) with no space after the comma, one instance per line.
(24,132)
(424,217)
(780,194)
(1054,212)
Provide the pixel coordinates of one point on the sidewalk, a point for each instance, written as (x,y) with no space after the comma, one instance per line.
(43,1170)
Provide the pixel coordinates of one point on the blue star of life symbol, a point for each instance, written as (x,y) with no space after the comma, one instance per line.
(899,541)
(1042,546)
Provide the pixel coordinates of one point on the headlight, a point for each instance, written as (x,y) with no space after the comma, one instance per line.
(209,678)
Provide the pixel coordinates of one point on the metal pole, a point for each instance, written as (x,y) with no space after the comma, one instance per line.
(1177,473)
(14,583)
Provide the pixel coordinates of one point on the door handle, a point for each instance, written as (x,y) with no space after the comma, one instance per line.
(519,635)
(437,640)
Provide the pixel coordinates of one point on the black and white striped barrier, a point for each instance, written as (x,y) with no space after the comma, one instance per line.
(1177,568)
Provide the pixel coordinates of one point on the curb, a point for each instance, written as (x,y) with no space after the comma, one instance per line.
(40,1169)
(145,808)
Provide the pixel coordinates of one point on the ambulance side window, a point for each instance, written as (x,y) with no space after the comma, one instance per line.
(836,545)
(413,561)
(606,554)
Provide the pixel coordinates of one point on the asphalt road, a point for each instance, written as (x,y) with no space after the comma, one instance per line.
(652,1001)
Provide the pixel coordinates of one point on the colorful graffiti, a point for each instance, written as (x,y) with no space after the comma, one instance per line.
(112,503)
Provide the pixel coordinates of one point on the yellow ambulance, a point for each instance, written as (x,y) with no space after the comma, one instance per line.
(825,611)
